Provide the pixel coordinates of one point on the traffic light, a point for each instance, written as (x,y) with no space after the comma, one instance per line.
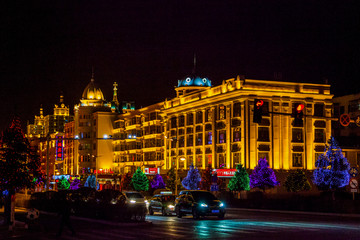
(258,103)
(298,117)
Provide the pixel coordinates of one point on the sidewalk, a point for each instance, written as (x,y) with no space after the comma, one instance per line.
(296,212)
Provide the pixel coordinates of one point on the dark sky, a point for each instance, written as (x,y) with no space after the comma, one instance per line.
(49,47)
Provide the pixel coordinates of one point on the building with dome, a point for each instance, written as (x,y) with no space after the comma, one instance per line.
(91,148)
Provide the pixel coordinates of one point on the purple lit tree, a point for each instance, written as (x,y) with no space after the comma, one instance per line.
(332,169)
(74,185)
(263,176)
(157,182)
(193,179)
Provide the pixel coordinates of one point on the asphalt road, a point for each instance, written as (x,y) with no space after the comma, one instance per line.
(238,224)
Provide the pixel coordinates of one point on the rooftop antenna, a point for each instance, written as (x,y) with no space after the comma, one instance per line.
(193,71)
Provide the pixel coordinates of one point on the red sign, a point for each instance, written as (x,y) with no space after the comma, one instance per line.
(345,120)
(59,148)
(152,171)
(225,172)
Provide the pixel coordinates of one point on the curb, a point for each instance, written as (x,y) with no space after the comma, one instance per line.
(296,212)
(125,224)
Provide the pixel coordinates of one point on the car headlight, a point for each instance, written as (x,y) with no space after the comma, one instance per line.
(203,205)
(221,205)
(170,206)
(132,201)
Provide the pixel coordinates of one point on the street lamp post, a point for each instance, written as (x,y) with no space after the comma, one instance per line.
(176,173)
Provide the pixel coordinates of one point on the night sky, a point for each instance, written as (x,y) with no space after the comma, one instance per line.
(49,47)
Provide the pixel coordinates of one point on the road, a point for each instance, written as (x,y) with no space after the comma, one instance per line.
(238,224)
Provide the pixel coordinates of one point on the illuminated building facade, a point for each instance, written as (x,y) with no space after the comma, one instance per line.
(214,125)
(93,124)
(38,128)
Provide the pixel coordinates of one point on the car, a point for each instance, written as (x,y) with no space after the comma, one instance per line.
(199,203)
(164,203)
(135,198)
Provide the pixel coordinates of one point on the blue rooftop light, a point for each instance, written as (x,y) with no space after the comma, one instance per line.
(194,81)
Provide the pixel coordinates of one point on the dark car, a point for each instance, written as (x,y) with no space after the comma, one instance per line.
(164,203)
(198,203)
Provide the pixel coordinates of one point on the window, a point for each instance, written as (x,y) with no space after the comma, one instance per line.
(222,136)
(199,139)
(319,136)
(236,135)
(209,138)
(190,119)
(319,109)
(236,159)
(189,161)
(297,135)
(173,122)
(190,140)
(297,159)
(263,134)
(199,161)
(199,116)
(181,142)
(221,160)
(263,155)
(181,121)
(237,109)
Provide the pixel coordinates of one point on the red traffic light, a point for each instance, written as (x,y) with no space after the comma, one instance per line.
(300,107)
(259,103)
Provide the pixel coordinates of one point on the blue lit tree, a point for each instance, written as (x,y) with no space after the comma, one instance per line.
(240,180)
(157,182)
(263,176)
(193,179)
(91,182)
(332,168)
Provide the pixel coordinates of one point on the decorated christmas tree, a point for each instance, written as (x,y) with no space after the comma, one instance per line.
(170,179)
(91,182)
(157,182)
(240,181)
(192,180)
(63,183)
(139,181)
(206,178)
(296,181)
(126,182)
(75,184)
(19,166)
(332,168)
(263,176)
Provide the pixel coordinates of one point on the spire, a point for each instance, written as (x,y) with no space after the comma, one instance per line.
(92,73)
(61,99)
(194,69)
(115,100)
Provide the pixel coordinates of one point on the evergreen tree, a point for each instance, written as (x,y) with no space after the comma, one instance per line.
(19,166)
(170,181)
(332,168)
(157,182)
(240,181)
(192,180)
(63,183)
(139,181)
(126,182)
(91,182)
(75,184)
(263,176)
(296,181)
(206,178)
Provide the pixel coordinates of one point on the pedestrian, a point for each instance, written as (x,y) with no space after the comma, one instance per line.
(65,213)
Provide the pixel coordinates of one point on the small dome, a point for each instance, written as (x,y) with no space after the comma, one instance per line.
(194,81)
(92,92)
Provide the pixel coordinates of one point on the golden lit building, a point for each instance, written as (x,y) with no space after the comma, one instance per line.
(38,128)
(93,125)
(214,125)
